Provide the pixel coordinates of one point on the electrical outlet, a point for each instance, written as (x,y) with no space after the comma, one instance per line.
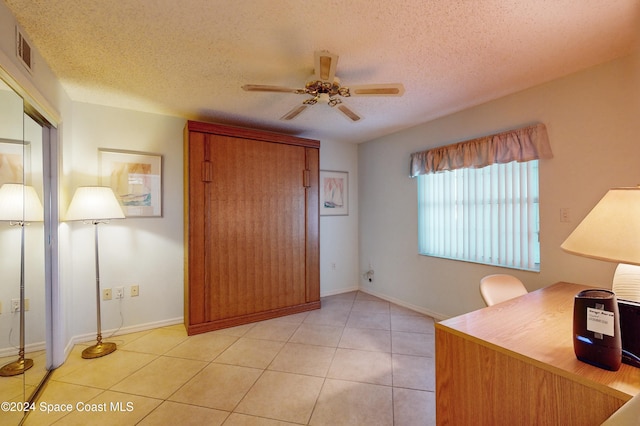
(135,290)
(106,294)
(15,305)
(118,292)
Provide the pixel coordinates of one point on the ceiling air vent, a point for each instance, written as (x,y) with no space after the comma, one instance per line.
(23,50)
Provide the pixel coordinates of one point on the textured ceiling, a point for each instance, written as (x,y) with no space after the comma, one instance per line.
(190,58)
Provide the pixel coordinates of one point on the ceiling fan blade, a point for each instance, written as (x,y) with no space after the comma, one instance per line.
(347,112)
(325,65)
(267,88)
(391,89)
(295,112)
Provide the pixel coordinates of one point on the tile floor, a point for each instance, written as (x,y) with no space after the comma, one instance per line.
(357,361)
(14,388)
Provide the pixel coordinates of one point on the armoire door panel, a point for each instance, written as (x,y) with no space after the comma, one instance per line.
(312,219)
(257,206)
(248,229)
(195,297)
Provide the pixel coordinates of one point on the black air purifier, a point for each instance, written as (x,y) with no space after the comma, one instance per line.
(596,329)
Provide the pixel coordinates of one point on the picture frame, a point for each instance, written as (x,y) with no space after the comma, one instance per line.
(136,180)
(334,193)
(15,161)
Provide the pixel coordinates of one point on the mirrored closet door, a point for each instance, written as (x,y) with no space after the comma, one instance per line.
(23,253)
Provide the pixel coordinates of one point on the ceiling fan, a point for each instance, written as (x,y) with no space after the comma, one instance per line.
(325,87)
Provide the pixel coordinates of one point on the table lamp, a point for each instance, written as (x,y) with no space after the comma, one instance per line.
(610,232)
(95,205)
(19,205)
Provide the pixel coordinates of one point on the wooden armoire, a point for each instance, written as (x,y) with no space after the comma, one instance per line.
(251,226)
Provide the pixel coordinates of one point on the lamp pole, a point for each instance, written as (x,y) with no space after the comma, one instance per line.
(100,348)
(95,205)
(22,364)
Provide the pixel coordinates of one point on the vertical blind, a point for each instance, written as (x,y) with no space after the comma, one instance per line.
(487,215)
(478,200)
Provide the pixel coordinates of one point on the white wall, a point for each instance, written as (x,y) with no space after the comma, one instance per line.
(593,126)
(339,234)
(147,252)
(592,122)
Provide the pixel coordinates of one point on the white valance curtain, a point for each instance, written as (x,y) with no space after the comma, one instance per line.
(525,144)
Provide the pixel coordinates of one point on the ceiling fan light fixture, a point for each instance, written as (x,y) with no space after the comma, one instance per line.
(317,87)
(324,98)
(323,86)
(344,92)
(311,101)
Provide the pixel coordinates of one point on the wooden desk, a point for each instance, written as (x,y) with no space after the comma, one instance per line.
(514,364)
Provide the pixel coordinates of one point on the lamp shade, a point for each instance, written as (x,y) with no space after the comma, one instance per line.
(20,203)
(94,203)
(611,231)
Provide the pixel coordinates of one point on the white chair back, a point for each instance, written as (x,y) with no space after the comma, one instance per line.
(497,288)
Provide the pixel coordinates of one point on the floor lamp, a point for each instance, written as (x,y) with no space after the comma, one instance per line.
(19,205)
(95,205)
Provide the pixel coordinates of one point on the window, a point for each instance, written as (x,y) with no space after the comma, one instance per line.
(486,215)
(478,199)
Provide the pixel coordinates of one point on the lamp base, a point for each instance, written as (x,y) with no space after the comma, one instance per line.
(96,351)
(16,367)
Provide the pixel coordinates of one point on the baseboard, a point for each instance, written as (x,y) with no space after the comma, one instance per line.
(342,290)
(435,315)
(251,318)
(164,323)
(28,348)
(106,334)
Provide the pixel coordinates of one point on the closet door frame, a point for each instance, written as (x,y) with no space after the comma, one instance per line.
(37,108)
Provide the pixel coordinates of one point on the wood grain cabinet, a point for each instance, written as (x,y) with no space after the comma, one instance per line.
(251,226)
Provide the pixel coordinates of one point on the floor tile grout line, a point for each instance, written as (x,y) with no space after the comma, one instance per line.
(207,364)
(267,368)
(263,369)
(133,372)
(187,381)
(326,374)
(325,377)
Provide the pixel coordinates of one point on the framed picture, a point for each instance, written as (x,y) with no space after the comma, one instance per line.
(15,161)
(136,179)
(334,193)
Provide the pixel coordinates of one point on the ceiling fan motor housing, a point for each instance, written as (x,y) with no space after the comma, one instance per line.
(316,87)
